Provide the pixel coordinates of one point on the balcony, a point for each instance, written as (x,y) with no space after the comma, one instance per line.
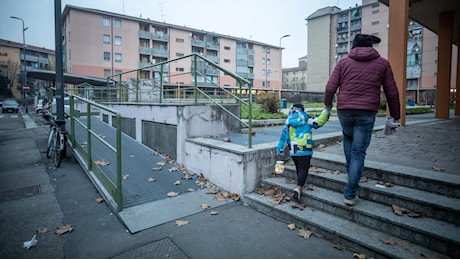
(212,46)
(342,28)
(144,34)
(212,72)
(213,58)
(160,37)
(158,68)
(342,40)
(145,50)
(198,43)
(160,52)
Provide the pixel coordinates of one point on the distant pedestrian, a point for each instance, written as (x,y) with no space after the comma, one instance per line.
(296,134)
(358,78)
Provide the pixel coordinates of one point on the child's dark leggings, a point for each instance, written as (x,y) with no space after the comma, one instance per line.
(302,164)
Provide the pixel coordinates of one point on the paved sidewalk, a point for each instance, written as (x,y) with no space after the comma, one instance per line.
(66,196)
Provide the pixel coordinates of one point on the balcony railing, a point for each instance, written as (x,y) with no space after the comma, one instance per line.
(160,52)
(198,43)
(144,34)
(160,37)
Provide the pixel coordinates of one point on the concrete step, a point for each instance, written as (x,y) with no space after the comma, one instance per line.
(439,236)
(429,204)
(353,236)
(441,183)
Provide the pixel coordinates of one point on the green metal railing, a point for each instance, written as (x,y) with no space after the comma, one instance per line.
(114,188)
(122,91)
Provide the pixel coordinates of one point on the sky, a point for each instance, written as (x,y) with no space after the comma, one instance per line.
(263,21)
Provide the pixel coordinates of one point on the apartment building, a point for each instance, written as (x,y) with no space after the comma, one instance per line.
(14,63)
(99,44)
(331,32)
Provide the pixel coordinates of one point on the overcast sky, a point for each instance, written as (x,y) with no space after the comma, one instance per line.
(259,20)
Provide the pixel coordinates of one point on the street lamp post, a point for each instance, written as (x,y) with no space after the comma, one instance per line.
(281,60)
(23,67)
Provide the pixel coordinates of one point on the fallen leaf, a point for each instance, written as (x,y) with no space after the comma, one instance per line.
(311,187)
(190,190)
(42,230)
(214,213)
(157,168)
(339,247)
(414,214)
(172,194)
(306,234)
(291,226)
(359,256)
(131,155)
(336,172)
(64,229)
(125,176)
(227,139)
(99,200)
(205,206)
(321,146)
(151,180)
(180,223)
(173,169)
(235,197)
(177,183)
(162,163)
(317,169)
(386,184)
(300,206)
(364,179)
(399,210)
(102,162)
(438,169)
(213,191)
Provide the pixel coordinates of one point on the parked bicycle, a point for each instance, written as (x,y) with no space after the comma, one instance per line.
(57,141)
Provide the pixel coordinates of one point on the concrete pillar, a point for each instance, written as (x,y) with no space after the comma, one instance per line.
(457,83)
(445,38)
(397,47)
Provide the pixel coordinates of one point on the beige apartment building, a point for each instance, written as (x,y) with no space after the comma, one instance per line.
(100,44)
(13,65)
(331,32)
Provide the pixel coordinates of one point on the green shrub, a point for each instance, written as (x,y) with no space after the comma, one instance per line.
(269,102)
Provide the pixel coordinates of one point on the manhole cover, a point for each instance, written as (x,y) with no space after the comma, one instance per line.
(20,193)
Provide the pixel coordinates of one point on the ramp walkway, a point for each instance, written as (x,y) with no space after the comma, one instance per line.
(148,178)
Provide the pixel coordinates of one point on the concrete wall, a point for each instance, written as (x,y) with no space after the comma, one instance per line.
(235,168)
(191,121)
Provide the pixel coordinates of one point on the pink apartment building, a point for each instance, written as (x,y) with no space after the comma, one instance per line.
(101,44)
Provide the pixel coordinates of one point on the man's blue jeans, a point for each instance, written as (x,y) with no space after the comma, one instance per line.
(357,127)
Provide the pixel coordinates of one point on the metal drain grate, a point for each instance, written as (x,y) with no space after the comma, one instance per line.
(20,193)
(161,249)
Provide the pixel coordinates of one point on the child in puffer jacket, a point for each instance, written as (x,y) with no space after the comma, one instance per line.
(296,133)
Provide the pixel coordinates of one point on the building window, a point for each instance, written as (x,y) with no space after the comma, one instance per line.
(106,56)
(106,72)
(376,11)
(179,40)
(106,21)
(180,69)
(117,40)
(117,23)
(375,5)
(118,57)
(106,39)
(375,23)
(179,54)
(117,71)
(227,48)
(226,61)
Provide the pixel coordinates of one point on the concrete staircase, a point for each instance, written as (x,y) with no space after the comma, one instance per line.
(372,227)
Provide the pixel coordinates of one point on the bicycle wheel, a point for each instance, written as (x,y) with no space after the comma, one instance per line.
(57,152)
(51,139)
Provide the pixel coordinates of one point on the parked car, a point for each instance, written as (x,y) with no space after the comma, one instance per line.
(10,106)
(39,107)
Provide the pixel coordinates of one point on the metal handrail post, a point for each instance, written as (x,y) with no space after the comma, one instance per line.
(250,116)
(118,195)
(72,120)
(161,82)
(88,135)
(137,86)
(195,93)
